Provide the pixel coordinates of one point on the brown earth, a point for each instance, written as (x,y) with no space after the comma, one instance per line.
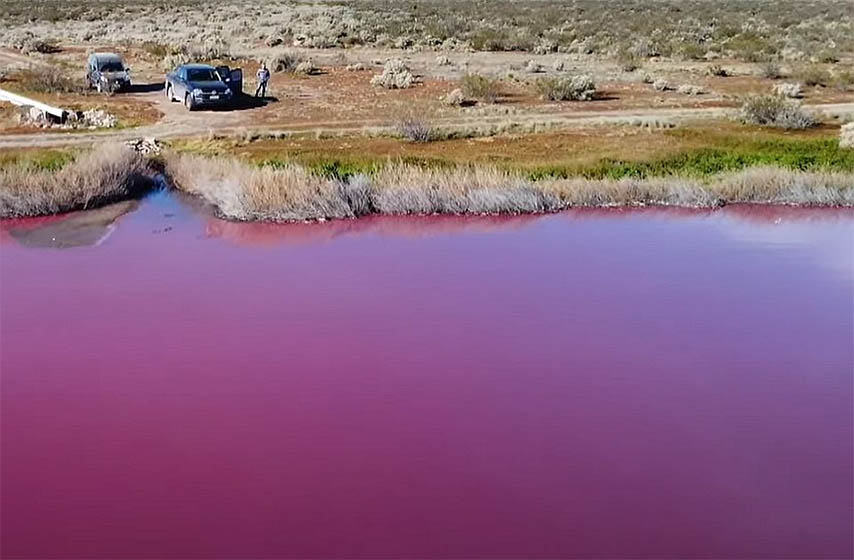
(338,101)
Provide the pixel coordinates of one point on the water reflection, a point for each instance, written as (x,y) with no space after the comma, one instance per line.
(77,229)
(271,234)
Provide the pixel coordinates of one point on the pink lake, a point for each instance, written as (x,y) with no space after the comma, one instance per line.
(591,384)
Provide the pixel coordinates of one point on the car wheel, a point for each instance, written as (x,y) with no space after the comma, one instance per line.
(188,102)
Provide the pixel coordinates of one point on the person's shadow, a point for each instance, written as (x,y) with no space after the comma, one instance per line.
(249,101)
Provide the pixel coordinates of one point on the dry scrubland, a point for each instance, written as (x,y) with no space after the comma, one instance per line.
(346,62)
(750,30)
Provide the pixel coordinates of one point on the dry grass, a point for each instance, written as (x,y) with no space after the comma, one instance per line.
(108,174)
(243,192)
(291,193)
(45,79)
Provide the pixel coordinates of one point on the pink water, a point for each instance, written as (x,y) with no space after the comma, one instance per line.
(597,384)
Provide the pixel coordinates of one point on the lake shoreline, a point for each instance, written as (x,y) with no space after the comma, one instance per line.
(244,191)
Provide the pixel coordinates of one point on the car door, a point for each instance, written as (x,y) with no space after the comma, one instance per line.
(182,79)
(90,71)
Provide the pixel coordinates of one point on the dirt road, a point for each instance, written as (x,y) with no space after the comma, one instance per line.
(177,122)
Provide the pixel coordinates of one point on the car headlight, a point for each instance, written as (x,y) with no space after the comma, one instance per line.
(197,92)
(227,92)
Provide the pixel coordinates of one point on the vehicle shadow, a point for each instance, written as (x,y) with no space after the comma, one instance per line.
(145,88)
(243,102)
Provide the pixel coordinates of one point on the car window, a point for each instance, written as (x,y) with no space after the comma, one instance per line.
(202,75)
(112,66)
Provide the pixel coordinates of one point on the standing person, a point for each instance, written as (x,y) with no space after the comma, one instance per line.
(263,76)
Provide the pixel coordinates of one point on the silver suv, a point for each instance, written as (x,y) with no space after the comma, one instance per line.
(107,72)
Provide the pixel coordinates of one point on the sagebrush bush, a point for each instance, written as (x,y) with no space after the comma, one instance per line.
(415,129)
(843,80)
(306,68)
(690,89)
(717,70)
(533,67)
(846,136)
(627,60)
(284,61)
(455,98)
(39,46)
(790,90)
(771,70)
(214,48)
(774,110)
(174,60)
(482,88)
(395,75)
(567,88)
(812,75)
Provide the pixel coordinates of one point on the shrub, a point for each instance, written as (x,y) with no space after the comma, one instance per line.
(717,70)
(569,88)
(846,136)
(274,40)
(481,87)
(533,67)
(212,49)
(395,75)
(628,61)
(46,79)
(415,130)
(284,61)
(790,90)
(356,67)
(771,70)
(843,80)
(174,60)
(827,56)
(661,85)
(306,68)
(814,76)
(443,60)
(773,110)
(455,98)
(689,89)
(34,44)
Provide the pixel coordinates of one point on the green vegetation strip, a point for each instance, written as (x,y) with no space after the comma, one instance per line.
(801,154)
(36,160)
(797,154)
